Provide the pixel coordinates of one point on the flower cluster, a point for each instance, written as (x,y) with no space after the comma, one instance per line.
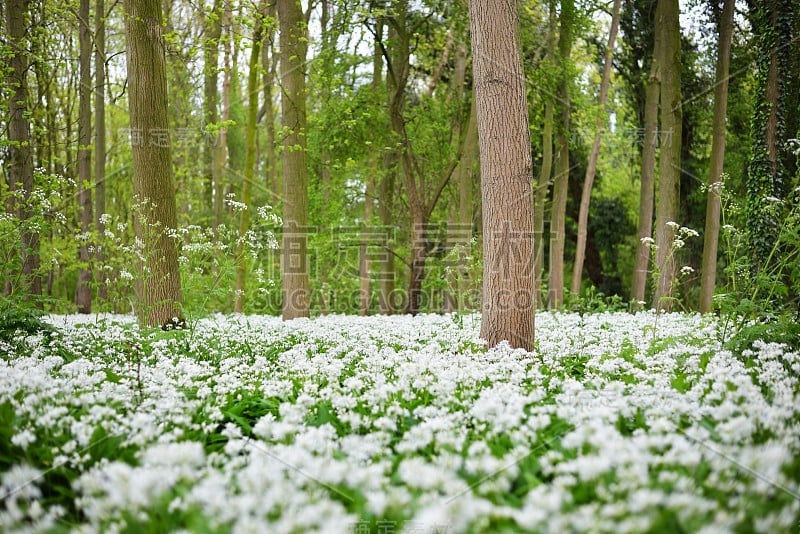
(345,424)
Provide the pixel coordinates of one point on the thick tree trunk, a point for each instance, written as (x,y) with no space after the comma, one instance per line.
(100,135)
(708,275)
(159,287)
(20,158)
(669,165)
(561,182)
(293,39)
(249,161)
(591,167)
(506,174)
(83,290)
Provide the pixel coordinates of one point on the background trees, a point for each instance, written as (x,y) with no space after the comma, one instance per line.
(356,153)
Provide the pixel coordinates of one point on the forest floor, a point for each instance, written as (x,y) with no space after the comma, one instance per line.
(615,423)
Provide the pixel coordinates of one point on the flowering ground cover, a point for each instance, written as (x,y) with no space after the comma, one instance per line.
(616,423)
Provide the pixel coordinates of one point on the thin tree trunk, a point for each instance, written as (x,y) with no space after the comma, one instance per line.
(250,161)
(100,135)
(560,186)
(371,179)
(543,185)
(591,167)
(708,275)
(222,147)
(159,287)
(268,77)
(83,290)
(506,175)
(385,209)
(20,158)
(213,31)
(668,193)
(647,187)
(293,39)
(467,170)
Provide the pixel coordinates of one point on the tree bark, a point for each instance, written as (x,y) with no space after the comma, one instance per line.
(293,39)
(221,153)
(708,275)
(506,174)
(647,186)
(250,160)
(100,134)
(369,189)
(591,167)
(213,31)
(158,290)
(83,290)
(668,192)
(561,182)
(543,185)
(20,157)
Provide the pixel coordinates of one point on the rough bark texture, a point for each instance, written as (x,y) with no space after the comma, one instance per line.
(591,167)
(83,290)
(293,44)
(669,165)
(158,290)
(561,182)
(20,158)
(100,132)
(543,185)
(708,275)
(249,160)
(506,174)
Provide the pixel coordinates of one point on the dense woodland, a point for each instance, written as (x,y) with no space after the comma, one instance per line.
(329,151)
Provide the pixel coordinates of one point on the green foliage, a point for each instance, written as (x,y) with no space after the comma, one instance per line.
(17,318)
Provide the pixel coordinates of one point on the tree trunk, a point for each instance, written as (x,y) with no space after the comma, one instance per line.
(591,167)
(83,290)
(371,180)
(668,193)
(293,39)
(268,76)
(385,209)
(213,32)
(467,171)
(647,187)
(543,185)
(711,236)
(100,134)
(250,160)
(561,182)
(159,287)
(506,174)
(222,146)
(20,158)
(768,177)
